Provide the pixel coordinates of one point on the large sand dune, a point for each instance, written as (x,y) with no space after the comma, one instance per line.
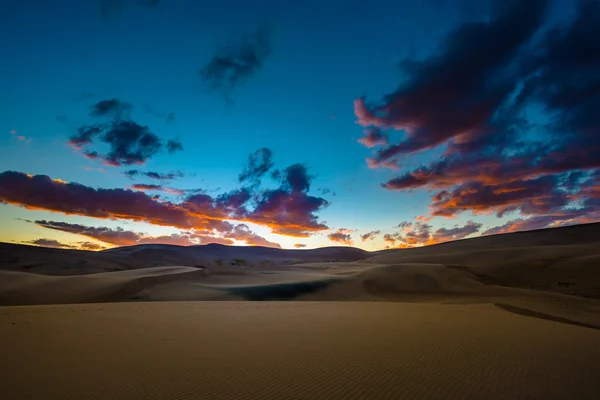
(505,317)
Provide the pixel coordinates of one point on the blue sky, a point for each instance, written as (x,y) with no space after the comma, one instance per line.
(63,57)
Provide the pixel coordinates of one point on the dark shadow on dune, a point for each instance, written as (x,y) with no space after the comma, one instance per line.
(279,291)
(535,314)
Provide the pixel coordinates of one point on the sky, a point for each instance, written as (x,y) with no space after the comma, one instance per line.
(381,124)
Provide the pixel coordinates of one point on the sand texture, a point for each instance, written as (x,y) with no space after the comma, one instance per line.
(293,350)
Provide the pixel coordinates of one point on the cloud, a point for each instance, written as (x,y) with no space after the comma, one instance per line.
(90,246)
(287,210)
(405,224)
(535,196)
(341,236)
(129,142)
(112,108)
(116,236)
(85,135)
(174,145)
(49,243)
(243,233)
(445,97)
(235,64)
(299,245)
(145,187)
(234,201)
(290,210)
(176,239)
(42,193)
(259,163)
(369,235)
(422,234)
(120,237)
(374,137)
(444,234)
(541,222)
(498,157)
(174,191)
(134,173)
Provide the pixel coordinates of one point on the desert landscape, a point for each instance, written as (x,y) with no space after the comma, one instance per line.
(500,317)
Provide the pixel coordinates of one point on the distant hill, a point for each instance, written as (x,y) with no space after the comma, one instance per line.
(50,261)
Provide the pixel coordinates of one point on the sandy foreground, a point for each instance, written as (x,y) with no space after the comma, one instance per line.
(293,350)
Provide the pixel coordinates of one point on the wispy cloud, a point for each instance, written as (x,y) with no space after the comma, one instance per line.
(234,64)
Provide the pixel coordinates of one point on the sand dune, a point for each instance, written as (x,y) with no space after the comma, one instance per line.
(47,261)
(293,350)
(505,317)
(563,260)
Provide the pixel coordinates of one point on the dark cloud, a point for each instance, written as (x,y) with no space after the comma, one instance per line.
(85,135)
(92,155)
(129,142)
(499,158)
(296,178)
(49,243)
(535,196)
(42,193)
(116,236)
(259,163)
(369,235)
(444,234)
(235,64)
(174,145)
(404,224)
(120,237)
(111,108)
(445,96)
(342,235)
(134,173)
(299,245)
(234,201)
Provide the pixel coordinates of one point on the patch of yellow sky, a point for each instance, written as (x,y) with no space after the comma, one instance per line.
(18,227)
